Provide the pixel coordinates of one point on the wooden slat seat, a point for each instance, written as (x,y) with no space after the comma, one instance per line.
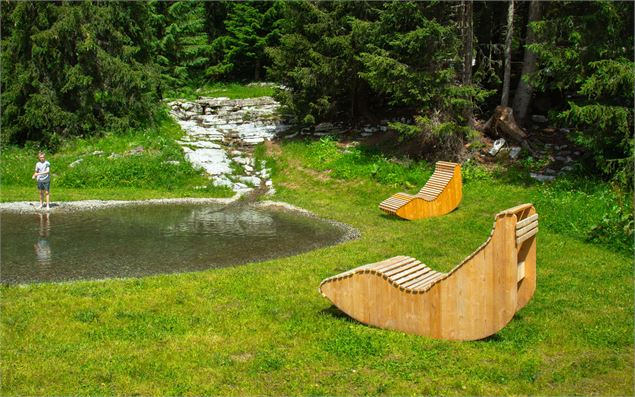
(441,194)
(474,300)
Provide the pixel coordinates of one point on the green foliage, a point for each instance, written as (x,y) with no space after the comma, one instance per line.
(315,61)
(589,210)
(366,60)
(249,28)
(360,162)
(183,45)
(108,163)
(585,52)
(439,139)
(228,90)
(605,120)
(73,69)
(407,55)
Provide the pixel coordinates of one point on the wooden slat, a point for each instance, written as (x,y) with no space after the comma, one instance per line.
(395,266)
(397,261)
(524,230)
(526,221)
(526,236)
(521,271)
(406,271)
(430,276)
(399,269)
(415,280)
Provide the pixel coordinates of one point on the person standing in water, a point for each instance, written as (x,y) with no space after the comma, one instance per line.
(43,175)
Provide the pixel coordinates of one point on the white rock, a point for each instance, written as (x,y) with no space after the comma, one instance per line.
(213,161)
(497,146)
(514,151)
(75,163)
(250,180)
(541,177)
(240,160)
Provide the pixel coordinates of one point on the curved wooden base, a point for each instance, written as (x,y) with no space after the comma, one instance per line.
(473,301)
(441,195)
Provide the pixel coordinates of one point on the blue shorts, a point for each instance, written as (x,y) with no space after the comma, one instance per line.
(44,185)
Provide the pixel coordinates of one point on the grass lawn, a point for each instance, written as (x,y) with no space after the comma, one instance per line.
(264,329)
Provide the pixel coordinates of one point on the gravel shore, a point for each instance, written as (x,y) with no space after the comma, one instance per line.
(23,207)
(26,207)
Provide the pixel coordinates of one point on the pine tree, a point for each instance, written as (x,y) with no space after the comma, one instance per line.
(585,54)
(249,28)
(183,46)
(75,69)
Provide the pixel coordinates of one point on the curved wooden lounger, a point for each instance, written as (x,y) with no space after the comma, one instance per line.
(440,195)
(474,300)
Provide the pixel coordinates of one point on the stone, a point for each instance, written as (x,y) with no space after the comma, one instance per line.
(250,180)
(324,127)
(114,156)
(539,119)
(269,184)
(223,181)
(240,160)
(75,163)
(172,162)
(98,153)
(514,151)
(541,177)
(136,151)
(213,161)
(496,147)
(550,171)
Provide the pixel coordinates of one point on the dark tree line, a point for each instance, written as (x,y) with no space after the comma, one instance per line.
(83,68)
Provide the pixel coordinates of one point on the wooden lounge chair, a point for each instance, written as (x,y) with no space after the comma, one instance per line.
(440,195)
(474,300)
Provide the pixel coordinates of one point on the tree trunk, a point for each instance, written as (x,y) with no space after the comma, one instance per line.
(508,54)
(502,123)
(257,70)
(522,97)
(467,32)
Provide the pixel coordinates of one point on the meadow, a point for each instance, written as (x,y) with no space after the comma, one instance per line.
(264,329)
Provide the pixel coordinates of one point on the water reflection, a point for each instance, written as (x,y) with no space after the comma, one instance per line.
(143,240)
(214,221)
(42,246)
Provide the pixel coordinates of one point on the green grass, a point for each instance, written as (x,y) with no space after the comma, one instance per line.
(108,170)
(263,329)
(229,90)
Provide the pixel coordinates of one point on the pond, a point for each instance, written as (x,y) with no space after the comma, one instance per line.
(141,240)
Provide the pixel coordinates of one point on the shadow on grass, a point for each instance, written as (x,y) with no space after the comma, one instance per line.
(336,313)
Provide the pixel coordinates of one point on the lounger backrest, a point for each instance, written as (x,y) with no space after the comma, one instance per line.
(443,173)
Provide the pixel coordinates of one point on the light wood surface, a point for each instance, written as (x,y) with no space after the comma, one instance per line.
(440,195)
(474,300)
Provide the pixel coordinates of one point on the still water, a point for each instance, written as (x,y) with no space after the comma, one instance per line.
(151,239)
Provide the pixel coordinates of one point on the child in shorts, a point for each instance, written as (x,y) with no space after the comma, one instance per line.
(43,175)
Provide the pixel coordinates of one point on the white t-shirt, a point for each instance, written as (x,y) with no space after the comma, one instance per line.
(43,167)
